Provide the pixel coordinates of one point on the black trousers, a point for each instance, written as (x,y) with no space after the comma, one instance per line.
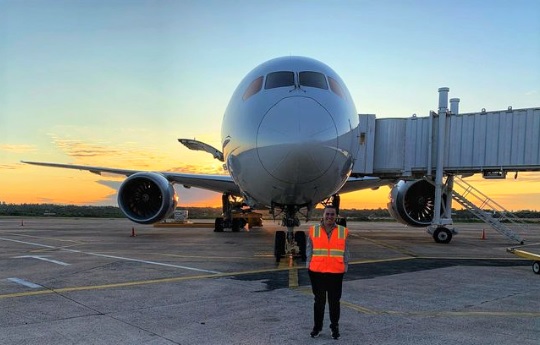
(323,284)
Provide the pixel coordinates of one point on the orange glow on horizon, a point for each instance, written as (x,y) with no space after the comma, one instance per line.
(22,183)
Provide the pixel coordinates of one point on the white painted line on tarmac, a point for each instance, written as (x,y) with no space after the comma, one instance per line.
(30,243)
(143,261)
(42,258)
(111,256)
(25,283)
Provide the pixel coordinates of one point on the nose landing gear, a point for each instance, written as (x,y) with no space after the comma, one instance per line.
(290,244)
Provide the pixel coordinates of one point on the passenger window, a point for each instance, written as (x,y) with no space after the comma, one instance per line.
(335,87)
(313,79)
(279,79)
(253,88)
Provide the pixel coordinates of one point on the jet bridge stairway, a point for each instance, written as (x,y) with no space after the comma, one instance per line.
(488,210)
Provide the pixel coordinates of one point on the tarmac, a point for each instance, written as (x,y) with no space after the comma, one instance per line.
(89,281)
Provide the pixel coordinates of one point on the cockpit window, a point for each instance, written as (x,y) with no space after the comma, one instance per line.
(253,88)
(313,79)
(279,79)
(335,87)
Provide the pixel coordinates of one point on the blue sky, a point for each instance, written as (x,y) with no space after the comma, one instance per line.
(117,82)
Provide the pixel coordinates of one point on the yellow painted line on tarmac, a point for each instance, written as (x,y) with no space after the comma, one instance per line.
(139,283)
(359,309)
(472,258)
(355,307)
(206,257)
(293,278)
(382,260)
(105,286)
(508,313)
(464,313)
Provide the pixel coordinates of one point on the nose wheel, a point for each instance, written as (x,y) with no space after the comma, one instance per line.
(287,247)
(289,243)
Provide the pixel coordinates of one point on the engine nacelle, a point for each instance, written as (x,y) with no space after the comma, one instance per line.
(413,202)
(146,198)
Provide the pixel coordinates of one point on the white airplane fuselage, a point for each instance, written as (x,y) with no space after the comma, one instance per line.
(290,133)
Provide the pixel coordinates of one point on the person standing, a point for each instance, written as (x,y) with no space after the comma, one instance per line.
(327,258)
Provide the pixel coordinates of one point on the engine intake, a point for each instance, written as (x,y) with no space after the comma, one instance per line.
(413,202)
(146,198)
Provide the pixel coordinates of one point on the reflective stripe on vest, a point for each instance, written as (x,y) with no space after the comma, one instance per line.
(328,253)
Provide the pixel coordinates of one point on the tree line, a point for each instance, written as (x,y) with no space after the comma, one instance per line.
(53,210)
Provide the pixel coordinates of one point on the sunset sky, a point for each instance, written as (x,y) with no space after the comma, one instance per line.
(116,82)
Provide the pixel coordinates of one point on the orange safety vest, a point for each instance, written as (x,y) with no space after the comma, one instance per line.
(328,254)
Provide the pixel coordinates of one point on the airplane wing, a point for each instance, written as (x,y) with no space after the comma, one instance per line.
(359,183)
(216,183)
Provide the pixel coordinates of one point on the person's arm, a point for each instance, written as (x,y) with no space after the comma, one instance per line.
(309,250)
(346,255)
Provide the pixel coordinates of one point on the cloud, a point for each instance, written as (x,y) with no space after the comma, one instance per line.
(17,148)
(78,148)
(9,166)
(108,154)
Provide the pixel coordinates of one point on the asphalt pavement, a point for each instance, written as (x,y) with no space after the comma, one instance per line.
(89,281)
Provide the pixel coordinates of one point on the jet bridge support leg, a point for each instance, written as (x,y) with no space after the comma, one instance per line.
(441,227)
(443,230)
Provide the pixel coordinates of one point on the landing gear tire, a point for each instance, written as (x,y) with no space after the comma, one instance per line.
(442,235)
(218,225)
(536,267)
(236,224)
(300,238)
(279,245)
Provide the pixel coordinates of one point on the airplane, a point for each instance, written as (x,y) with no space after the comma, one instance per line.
(289,136)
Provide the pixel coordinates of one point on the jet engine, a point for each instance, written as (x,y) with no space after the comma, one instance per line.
(413,202)
(146,198)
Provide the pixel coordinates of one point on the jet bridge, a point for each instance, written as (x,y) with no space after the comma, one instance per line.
(446,144)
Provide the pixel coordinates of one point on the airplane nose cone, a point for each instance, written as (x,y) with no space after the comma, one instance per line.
(296,140)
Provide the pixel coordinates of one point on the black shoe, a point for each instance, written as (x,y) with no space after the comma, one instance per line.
(315,333)
(335,332)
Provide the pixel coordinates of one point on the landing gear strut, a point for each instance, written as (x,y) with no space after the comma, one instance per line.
(290,243)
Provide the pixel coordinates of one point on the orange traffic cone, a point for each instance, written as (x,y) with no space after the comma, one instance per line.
(132,232)
(483,234)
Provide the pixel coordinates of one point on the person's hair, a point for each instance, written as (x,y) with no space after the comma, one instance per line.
(329,206)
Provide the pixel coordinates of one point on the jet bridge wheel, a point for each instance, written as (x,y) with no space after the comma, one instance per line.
(536,267)
(279,245)
(442,235)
